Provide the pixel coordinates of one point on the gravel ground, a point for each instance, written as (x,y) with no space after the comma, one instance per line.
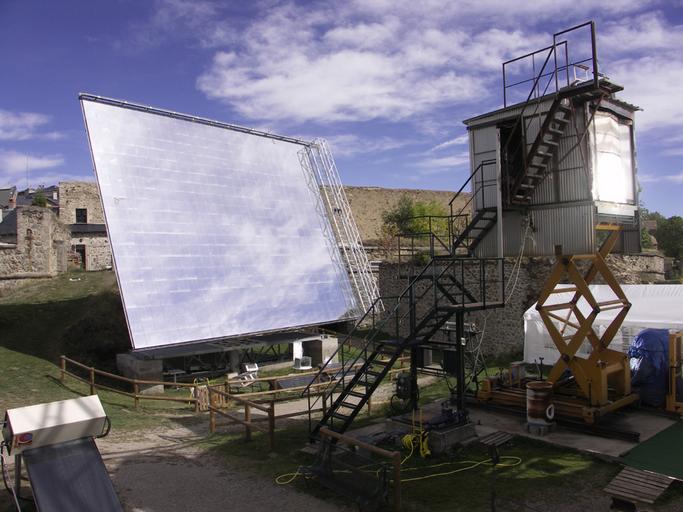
(156,471)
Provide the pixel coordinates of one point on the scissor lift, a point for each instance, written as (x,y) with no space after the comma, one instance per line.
(601,382)
(604,377)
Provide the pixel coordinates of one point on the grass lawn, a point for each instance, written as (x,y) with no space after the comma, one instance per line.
(545,472)
(78,314)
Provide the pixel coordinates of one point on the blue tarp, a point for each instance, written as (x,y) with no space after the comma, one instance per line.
(649,353)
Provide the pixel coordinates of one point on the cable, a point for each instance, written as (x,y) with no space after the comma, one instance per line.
(105,432)
(292,476)
(5,475)
(473,464)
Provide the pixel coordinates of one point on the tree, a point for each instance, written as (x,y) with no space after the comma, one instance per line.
(410,216)
(415,219)
(669,236)
(39,200)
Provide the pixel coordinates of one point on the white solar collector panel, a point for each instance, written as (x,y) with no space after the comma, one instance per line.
(214,230)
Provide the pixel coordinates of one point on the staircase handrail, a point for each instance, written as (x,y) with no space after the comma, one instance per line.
(376,328)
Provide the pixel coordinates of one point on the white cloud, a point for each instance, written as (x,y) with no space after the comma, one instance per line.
(644,56)
(350,144)
(445,162)
(24,125)
(326,65)
(667,178)
(13,164)
(457,141)
(199,20)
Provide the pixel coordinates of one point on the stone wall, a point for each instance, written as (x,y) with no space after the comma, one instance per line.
(504,327)
(97,250)
(79,194)
(41,245)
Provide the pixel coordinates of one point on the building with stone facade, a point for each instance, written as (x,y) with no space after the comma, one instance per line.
(80,209)
(39,242)
(34,245)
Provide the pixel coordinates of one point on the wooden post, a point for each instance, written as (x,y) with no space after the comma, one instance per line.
(136,392)
(212,413)
(92,381)
(247,418)
(369,405)
(271,426)
(397,482)
(62,368)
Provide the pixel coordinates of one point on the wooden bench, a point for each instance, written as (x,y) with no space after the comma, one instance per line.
(636,488)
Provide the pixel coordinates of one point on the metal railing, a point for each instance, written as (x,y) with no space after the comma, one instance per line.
(587,65)
(530,107)
(444,282)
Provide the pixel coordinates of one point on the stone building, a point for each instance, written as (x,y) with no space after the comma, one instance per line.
(80,209)
(8,201)
(34,245)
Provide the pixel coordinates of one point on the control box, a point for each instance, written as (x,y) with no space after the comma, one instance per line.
(55,422)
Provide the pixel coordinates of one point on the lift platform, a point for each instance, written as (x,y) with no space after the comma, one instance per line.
(584,387)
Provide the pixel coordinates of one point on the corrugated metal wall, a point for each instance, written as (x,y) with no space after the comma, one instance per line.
(561,210)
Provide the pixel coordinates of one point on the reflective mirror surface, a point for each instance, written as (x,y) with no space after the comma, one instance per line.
(214,231)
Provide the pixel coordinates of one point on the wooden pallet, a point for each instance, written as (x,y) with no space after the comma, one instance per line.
(637,487)
(496,438)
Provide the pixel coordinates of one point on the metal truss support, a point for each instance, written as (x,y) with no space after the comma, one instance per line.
(343,225)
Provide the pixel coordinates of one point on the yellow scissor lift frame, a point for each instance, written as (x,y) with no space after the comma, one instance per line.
(604,377)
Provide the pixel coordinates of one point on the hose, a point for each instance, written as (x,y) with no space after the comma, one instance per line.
(5,476)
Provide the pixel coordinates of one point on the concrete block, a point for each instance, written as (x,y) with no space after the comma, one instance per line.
(443,439)
(134,367)
(321,350)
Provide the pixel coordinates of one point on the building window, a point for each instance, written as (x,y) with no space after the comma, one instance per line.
(81,216)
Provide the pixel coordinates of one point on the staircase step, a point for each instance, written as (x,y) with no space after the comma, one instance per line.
(356,394)
(339,416)
(348,405)
(561,120)
(550,143)
(374,373)
(555,132)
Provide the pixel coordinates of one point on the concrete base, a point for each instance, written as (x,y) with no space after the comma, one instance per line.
(144,369)
(539,429)
(442,440)
(321,350)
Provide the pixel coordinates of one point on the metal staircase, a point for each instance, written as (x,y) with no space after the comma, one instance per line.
(452,281)
(532,145)
(447,285)
(472,228)
(542,153)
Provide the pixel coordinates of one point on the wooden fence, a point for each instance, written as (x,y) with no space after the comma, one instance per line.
(221,403)
(218,399)
(394,457)
(134,384)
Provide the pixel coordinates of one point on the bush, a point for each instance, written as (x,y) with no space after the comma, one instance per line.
(39,200)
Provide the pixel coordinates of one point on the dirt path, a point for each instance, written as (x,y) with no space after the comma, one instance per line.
(164,470)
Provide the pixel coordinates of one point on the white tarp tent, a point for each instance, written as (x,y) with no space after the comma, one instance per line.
(652,305)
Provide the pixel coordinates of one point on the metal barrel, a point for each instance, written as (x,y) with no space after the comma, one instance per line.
(539,403)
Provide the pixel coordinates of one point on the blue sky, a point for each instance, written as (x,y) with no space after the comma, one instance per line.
(386,82)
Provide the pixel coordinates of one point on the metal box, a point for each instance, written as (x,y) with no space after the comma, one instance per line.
(55,422)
